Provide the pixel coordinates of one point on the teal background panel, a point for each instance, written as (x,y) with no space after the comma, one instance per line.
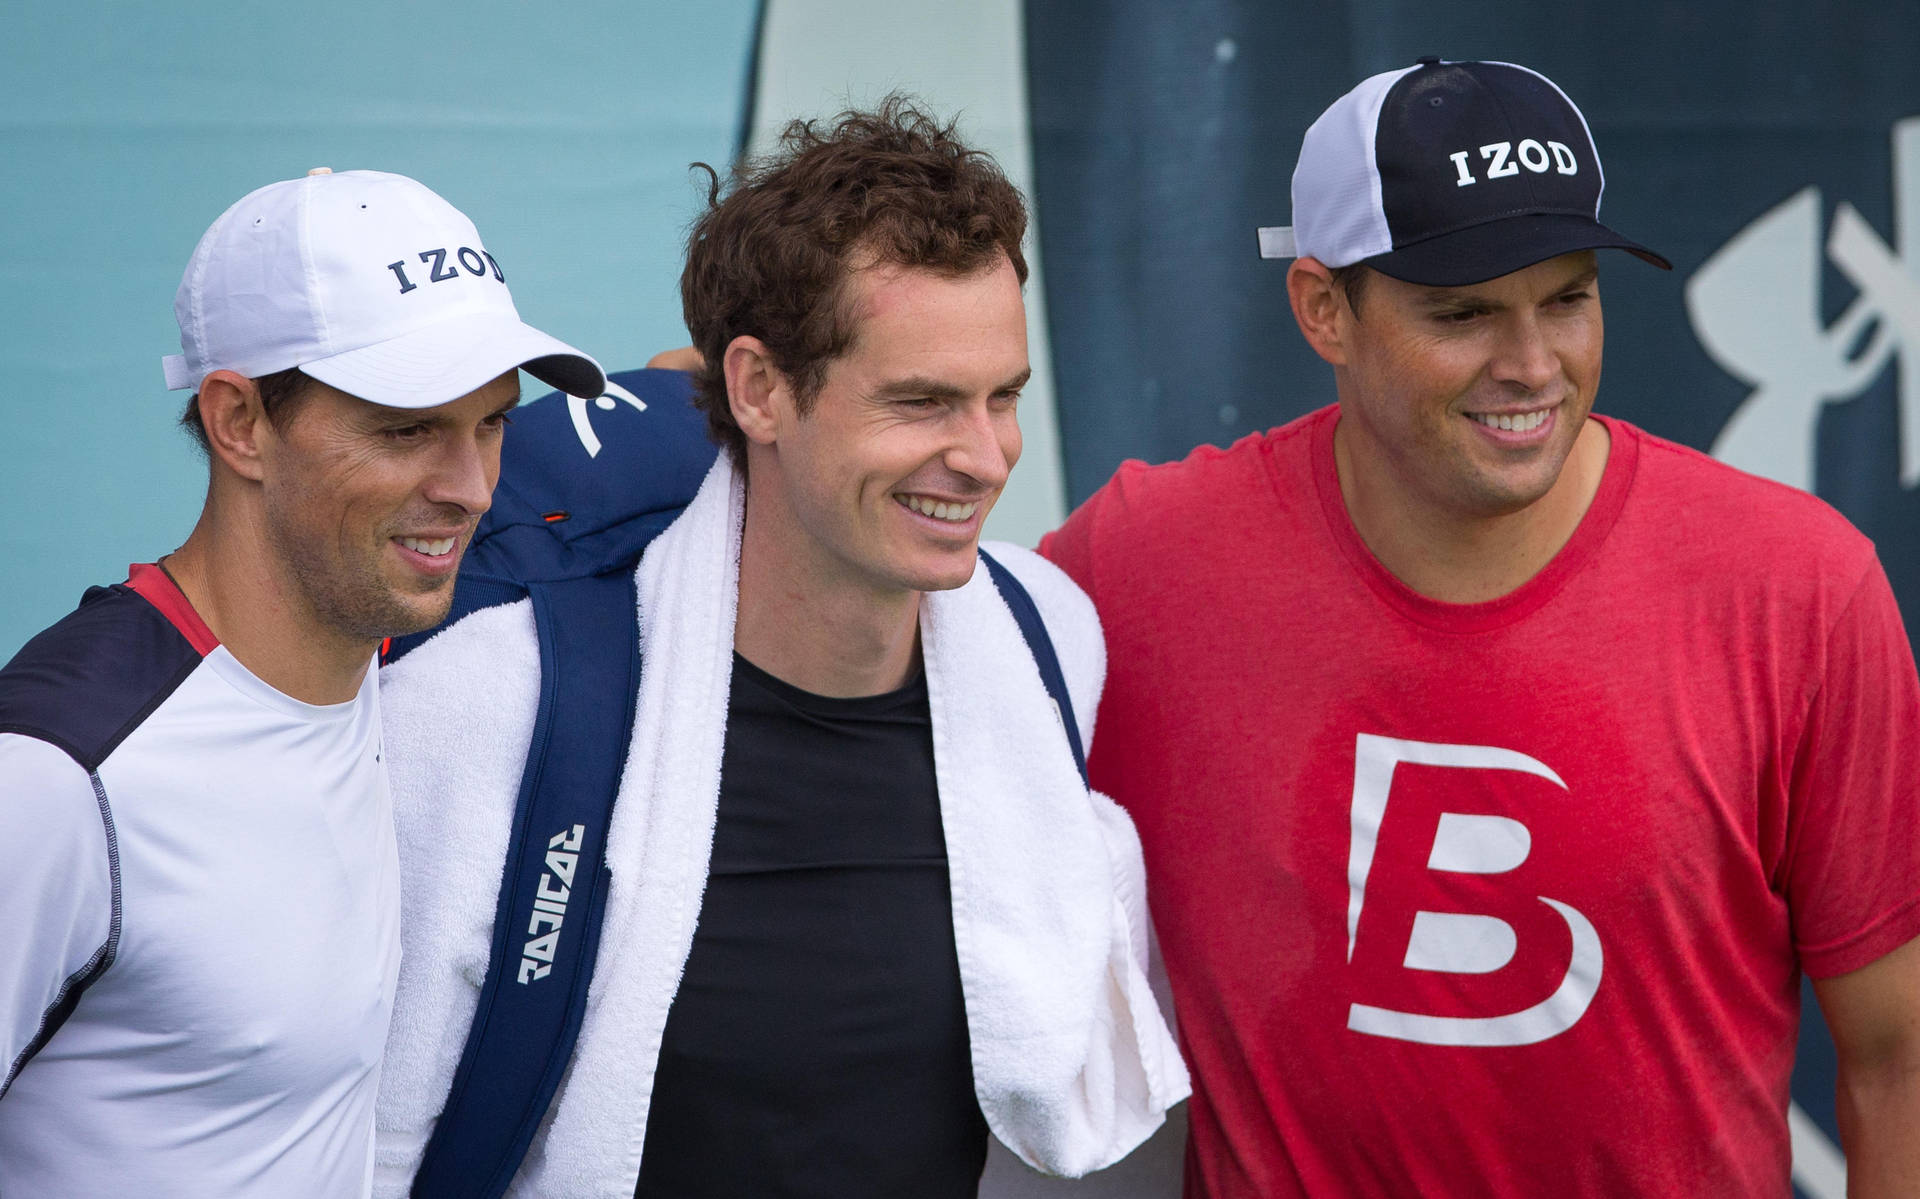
(564,131)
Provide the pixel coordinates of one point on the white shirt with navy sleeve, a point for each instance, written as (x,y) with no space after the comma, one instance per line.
(200,880)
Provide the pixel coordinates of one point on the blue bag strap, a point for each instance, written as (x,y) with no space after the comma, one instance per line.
(1027,615)
(552,893)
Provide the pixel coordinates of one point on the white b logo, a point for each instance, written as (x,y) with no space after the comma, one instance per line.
(1451,942)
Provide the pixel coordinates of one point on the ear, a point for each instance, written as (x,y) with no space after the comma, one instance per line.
(236,424)
(1317,308)
(757,391)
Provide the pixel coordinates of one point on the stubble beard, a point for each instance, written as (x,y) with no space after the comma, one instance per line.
(356,602)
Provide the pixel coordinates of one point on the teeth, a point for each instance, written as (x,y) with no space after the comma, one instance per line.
(1514,424)
(936,509)
(432,547)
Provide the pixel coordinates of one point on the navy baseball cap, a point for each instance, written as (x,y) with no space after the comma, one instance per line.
(1448,173)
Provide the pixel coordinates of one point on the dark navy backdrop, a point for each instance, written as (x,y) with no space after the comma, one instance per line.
(1164,134)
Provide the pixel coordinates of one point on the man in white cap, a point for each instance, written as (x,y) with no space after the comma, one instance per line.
(1500,767)
(196,848)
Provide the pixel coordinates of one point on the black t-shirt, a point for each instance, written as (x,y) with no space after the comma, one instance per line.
(818,1043)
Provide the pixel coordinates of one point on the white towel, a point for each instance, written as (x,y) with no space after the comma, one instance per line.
(1073,1063)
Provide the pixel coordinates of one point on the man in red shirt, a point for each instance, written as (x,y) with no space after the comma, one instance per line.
(1501,767)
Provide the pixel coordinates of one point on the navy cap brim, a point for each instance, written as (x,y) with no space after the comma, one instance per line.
(1500,247)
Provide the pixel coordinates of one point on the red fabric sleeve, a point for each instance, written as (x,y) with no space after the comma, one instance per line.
(1853,884)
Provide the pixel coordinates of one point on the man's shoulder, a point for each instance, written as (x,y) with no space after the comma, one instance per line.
(92,677)
(1165,521)
(1208,477)
(1053,591)
(1752,519)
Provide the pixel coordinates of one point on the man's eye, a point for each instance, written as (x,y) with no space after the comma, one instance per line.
(498,420)
(405,432)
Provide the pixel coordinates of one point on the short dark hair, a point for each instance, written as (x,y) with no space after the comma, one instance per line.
(279,394)
(1352,281)
(771,260)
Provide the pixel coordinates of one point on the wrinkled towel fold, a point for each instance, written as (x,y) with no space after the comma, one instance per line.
(1073,1064)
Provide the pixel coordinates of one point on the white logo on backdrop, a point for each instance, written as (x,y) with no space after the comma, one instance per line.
(1455,942)
(1755,306)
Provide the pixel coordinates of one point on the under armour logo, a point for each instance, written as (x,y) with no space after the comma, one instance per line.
(1755,306)
(583,427)
(1456,942)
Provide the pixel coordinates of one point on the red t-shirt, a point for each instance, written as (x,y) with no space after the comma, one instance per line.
(1507,898)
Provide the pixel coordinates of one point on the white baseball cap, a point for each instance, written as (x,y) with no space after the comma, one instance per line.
(366,281)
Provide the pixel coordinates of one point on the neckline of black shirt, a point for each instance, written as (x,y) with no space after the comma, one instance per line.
(914,691)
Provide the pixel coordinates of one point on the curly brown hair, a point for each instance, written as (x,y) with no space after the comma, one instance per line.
(771,260)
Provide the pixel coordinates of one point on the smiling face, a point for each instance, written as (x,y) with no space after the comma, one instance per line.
(368,508)
(1466,401)
(884,481)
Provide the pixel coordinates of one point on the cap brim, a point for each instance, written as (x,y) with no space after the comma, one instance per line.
(1496,248)
(454,357)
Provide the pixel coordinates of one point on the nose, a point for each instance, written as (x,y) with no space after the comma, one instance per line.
(1525,355)
(464,473)
(986,445)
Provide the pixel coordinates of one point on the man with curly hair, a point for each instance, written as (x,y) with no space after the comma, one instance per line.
(863,909)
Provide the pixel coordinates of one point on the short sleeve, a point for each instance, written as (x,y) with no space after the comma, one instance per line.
(57,889)
(1853,882)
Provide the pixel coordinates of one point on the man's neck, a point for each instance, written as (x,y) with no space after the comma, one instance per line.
(1470,560)
(228,575)
(820,633)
